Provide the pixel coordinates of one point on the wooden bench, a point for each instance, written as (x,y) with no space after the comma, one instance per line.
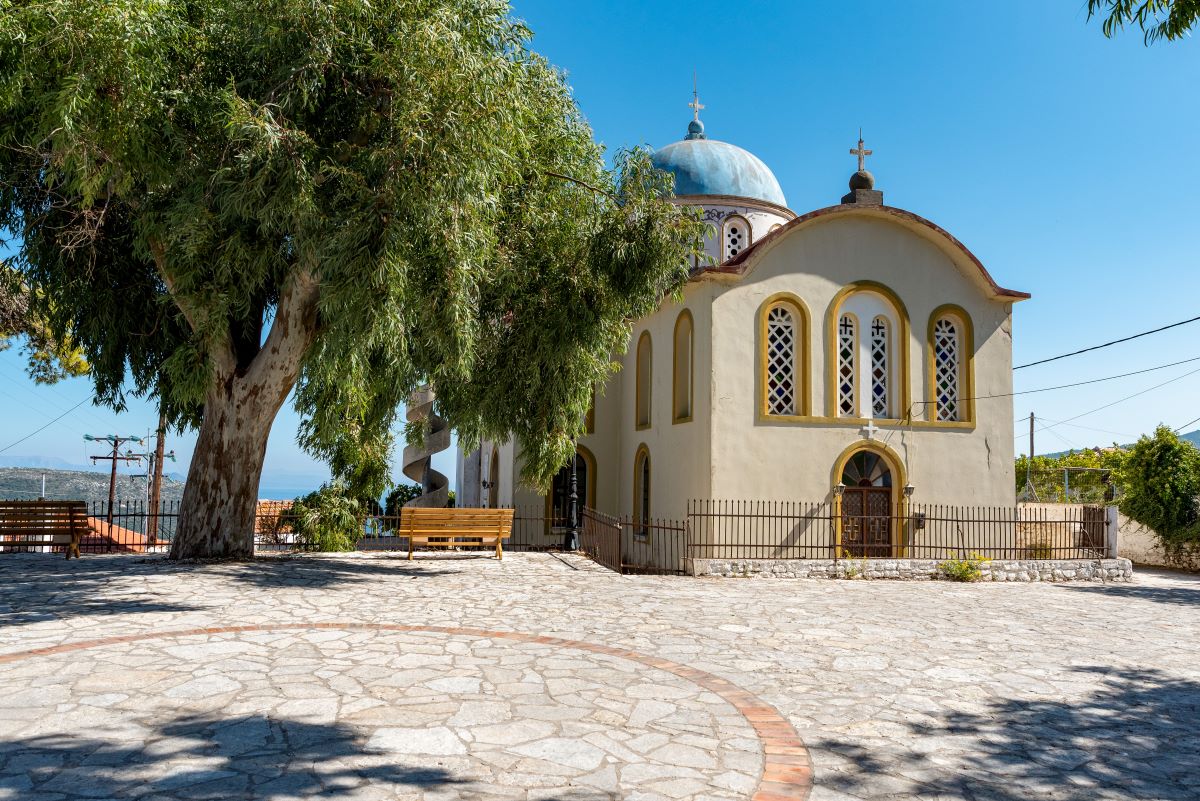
(43,523)
(447,528)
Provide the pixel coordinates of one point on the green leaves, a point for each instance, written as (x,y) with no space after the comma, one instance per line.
(1158,19)
(169,167)
(1162,486)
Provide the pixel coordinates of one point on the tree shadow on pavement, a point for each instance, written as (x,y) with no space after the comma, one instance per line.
(1134,737)
(244,757)
(41,587)
(209,758)
(1184,593)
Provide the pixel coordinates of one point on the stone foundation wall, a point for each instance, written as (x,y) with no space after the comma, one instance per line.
(914,569)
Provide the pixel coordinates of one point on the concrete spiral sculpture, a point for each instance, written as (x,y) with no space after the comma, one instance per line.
(418,459)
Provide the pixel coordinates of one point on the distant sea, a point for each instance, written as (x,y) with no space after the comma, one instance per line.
(285,492)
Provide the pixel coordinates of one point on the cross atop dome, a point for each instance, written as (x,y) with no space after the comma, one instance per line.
(861,152)
(695,127)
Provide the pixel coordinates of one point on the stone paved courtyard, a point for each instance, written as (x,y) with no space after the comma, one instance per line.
(540,677)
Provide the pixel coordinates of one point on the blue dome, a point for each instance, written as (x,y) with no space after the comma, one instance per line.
(707,167)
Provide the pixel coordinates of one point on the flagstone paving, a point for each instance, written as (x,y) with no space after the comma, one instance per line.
(542,677)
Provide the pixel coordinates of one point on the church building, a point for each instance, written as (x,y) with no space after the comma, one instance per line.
(856,349)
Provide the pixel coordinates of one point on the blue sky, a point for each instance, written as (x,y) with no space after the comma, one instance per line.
(1065,161)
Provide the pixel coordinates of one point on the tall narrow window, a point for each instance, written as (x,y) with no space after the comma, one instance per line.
(880,401)
(946,360)
(737,235)
(781,361)
(681,379)
(641,492)
(642,381)
(847,347)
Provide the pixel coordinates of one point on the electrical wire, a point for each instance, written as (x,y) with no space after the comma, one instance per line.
(1188,423)
(43,428)
(1120,400)
(1107,344)
(1068,386)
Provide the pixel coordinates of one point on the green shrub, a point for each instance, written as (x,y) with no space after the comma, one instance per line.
(968,569)
(329,519)
(1162,476)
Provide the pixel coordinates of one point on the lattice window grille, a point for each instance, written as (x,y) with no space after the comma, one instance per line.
(879,368)
(847,345)
(946,369)
(781,362)
(736,238)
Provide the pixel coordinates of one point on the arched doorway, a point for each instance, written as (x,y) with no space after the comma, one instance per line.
(493,499)
(559,500)
(867,505)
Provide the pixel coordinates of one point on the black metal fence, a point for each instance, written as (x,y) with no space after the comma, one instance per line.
(713,529)
(651,547)
(732,529)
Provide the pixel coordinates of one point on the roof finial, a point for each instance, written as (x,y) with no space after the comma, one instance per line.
(695,127)
(695,105)
(862,183)
(861,152)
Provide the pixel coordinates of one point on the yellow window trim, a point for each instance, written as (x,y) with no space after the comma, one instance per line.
(966,367)
(832,315)
(641,453)
(638,388)
(803,358)
(686,314)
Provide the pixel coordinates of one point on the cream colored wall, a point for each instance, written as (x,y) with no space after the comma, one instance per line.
(679,452)
(793,460)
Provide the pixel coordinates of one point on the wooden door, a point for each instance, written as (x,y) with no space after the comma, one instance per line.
(867,522)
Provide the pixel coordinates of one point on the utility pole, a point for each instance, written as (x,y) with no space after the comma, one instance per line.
(114,457)
(154,475)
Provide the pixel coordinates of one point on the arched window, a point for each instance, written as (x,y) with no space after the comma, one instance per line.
(737,235)
(880,368)
(642,381)
(847,351)
(641,491)
(681,378)
(782,382)
(947,369)
(866,353)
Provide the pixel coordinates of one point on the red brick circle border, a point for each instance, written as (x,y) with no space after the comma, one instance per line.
(787,770)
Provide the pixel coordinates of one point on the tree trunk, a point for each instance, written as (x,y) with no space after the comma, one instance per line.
(220,499)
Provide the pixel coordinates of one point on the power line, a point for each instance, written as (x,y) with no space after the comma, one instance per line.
(1121,400)
(43,428)
(1107,344)
(1075,384)
(1188,423)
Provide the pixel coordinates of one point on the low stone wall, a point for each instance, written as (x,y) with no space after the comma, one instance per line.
(914,569)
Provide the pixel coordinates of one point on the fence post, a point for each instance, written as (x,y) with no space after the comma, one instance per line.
(1112,532)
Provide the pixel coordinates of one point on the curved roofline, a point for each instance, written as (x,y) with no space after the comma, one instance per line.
(744,261)
(734,200)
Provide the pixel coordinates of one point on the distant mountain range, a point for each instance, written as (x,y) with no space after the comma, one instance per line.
(1192,437)
(25,484)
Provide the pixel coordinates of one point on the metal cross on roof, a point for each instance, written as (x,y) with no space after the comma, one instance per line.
(861,152)
(695,105)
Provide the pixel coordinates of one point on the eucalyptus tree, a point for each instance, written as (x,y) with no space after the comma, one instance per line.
(1157,19)
(227,203)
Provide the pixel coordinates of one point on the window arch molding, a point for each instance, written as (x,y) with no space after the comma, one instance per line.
(643,486)
(803,355)
(736,236)
(966,368)
(683,395)
(903,394)
(643,381)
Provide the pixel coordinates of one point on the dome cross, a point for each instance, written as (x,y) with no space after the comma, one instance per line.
(695,105)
